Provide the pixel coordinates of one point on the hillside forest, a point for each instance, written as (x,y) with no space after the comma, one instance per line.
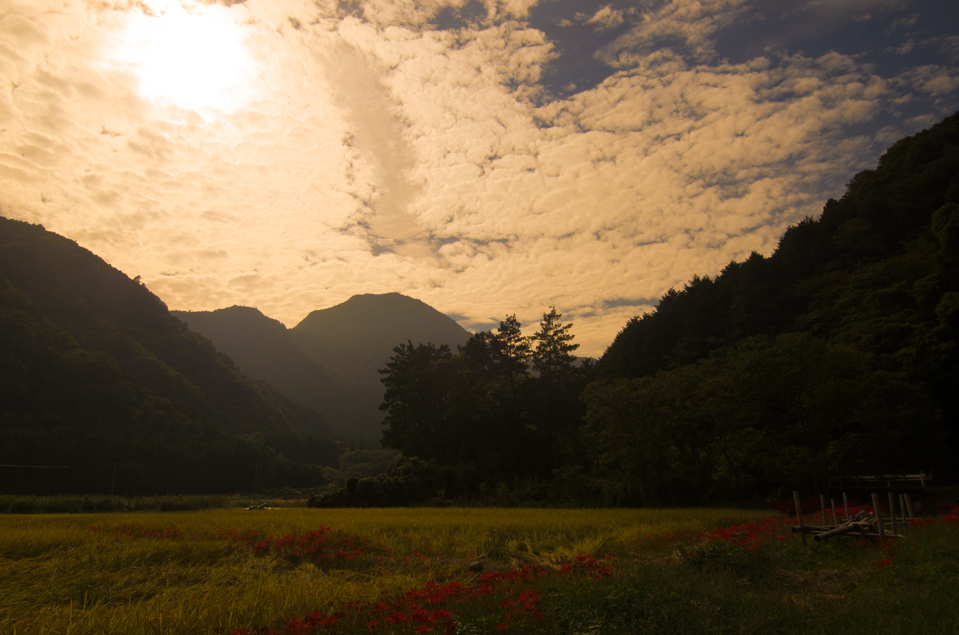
(834,356)
(103,391)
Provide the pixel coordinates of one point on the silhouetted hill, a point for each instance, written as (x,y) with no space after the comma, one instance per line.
(331,360)
(825,270)
(877,273)
(358,336)
(266,351)
(95,371)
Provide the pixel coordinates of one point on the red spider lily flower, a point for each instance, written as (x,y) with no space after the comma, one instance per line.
(397,618)
(884,563)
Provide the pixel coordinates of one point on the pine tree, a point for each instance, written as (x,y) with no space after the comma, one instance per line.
(553,354)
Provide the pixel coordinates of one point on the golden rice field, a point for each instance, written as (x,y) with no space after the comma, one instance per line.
(80,573)
(407,570)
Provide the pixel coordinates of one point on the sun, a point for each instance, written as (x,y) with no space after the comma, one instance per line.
(195,59)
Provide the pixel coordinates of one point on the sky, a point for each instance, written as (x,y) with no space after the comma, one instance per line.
(488,157)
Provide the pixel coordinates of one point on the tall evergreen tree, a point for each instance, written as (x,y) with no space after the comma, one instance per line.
(513,351)
(418,381)
(553,353)
(557,413)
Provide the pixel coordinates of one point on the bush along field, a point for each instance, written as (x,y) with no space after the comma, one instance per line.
(296,572)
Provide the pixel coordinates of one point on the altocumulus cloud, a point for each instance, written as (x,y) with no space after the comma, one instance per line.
(488,157)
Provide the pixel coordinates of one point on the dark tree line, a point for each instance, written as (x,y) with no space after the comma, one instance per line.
(753,421)
(502,412)
(482,407)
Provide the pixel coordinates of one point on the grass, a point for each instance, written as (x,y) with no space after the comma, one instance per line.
(406,570)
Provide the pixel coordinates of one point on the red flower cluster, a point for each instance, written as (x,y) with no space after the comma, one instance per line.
(951,517)
(749,535)
(431,608)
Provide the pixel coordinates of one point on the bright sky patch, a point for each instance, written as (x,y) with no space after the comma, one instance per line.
(488,157)
(195,59)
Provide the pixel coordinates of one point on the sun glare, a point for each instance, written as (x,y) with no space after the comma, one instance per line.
(194,58)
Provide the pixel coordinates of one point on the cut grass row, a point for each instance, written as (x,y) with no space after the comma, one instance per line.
(205,571)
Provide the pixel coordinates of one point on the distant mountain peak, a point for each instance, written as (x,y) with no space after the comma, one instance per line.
(384,316)
(235,321)
(331,359)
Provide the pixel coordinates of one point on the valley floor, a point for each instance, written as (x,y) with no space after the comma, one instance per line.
(416,570)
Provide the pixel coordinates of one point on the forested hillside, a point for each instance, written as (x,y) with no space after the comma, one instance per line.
(877,270)
(96,375)
(835,356)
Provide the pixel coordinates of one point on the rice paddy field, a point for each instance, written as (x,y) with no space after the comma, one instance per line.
(421,570)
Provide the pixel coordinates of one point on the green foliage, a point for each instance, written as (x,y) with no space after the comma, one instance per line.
(772,413)
(363,463)
(408,481)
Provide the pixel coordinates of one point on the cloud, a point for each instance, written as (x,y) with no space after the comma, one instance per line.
(606,18)
(381,151)
(948,45)
(678,24)
(377,134)
(932,80)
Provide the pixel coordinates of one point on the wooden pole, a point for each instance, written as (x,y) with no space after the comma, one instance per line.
(909,505)
(832,501)
(822,504)
(902,510)
(892,511)
(802,534)
(875,507)
(845,504)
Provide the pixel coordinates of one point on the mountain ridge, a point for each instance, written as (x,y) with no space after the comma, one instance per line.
(331,359)
(94,369)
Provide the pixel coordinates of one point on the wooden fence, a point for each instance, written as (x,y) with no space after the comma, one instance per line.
(865,524)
